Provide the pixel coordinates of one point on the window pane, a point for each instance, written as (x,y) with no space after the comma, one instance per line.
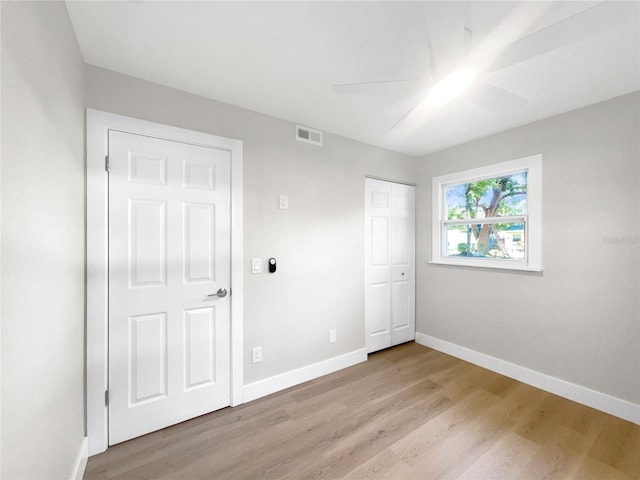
(497,240)
(491,197)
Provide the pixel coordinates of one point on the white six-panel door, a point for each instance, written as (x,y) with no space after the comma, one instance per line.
(389,263)
(169,252)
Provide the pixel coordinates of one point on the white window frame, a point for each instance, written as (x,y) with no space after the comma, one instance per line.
(532,219)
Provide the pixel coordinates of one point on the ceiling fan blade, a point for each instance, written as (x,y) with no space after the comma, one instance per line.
(587,23)
(445,23)
(405,116)
(358,87)
(495,98)
(418,109)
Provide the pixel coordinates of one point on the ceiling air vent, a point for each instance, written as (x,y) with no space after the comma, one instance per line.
(308,135)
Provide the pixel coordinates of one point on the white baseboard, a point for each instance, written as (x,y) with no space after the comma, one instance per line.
(262,388)
(600,401)
(81,460)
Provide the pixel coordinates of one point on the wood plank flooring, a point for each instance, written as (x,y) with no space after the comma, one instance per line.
(407,413)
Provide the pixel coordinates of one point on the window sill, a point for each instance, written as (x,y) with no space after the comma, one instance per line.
(491,266)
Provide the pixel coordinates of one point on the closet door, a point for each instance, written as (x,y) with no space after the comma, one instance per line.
(389,263)
(377,246)
(403,320)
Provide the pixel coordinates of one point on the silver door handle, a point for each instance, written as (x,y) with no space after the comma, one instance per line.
(220,293)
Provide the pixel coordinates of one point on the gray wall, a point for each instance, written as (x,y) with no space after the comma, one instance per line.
(318,242)
(578,321)
(43,247)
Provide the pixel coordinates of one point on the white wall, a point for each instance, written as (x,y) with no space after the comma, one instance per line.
(0,247)
(43,246)
(318,241)
(578,321)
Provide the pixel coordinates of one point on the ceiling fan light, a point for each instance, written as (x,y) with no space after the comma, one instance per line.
(450,87)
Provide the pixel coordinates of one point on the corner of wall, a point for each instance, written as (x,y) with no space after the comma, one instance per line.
(81,461)
(598,400)
(267,386)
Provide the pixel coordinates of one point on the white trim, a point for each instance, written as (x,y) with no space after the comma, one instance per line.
(98,125)
(385,179)
(274,384)
(533,219)
(487,220)
(81,462)
(598,400)
(237,277)
(488,171)
(97,301)
(491,264)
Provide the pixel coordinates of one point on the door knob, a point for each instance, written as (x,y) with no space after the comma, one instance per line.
(220,293)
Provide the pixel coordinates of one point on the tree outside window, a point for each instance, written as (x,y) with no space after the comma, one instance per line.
(492,198)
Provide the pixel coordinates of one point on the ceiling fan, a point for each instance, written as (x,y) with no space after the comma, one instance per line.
(456,61)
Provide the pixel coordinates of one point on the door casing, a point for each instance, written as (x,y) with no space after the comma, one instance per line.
(98,125)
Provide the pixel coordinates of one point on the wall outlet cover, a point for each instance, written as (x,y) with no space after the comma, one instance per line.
(256,354)
(332,336)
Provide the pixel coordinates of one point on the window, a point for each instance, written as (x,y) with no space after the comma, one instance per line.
(490,216)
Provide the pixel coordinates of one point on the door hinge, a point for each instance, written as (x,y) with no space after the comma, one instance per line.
(106,163)
(106,398)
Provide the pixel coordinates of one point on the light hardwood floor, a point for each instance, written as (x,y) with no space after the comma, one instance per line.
(407,413)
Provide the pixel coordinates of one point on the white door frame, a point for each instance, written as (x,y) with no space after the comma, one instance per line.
(98,125)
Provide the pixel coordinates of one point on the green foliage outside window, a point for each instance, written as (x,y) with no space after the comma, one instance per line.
(487,199)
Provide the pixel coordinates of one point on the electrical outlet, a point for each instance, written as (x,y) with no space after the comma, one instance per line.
(332,336)
(256,353)
(284,202)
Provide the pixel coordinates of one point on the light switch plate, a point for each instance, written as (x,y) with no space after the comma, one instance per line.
(256,265)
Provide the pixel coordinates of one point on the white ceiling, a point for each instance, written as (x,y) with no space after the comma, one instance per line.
(536,59)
